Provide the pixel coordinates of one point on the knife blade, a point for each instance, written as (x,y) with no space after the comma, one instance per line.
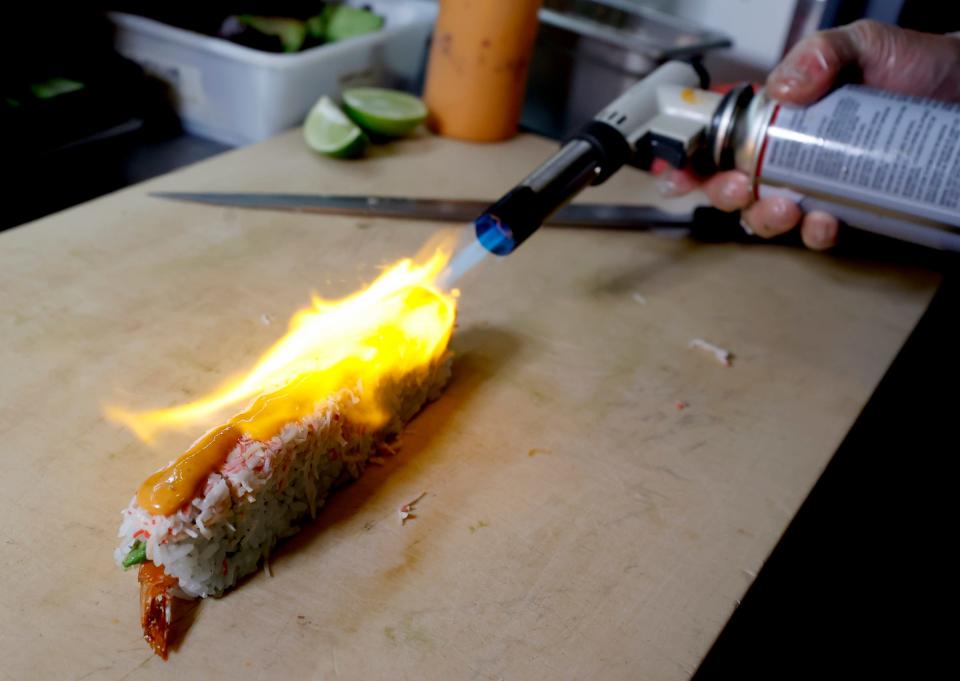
(610,216)
(702,223)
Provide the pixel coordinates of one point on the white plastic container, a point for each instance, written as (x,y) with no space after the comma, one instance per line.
(238,95)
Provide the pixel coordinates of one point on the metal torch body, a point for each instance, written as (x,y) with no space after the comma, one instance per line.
(590,156)
(882,162)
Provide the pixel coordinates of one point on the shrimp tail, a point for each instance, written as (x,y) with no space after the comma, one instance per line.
(156,606)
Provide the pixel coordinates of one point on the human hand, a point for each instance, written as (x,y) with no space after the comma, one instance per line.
(878,55)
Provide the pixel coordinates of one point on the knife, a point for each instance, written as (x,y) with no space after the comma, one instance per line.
(719,225)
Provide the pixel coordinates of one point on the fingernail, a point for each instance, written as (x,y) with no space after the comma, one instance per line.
(779,206)
(818,233)
(734,192)
(667,187)
(782,88)
(746,227)
(786,79)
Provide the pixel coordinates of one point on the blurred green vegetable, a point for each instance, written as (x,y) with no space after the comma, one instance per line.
(54,86)
(317,26)
(291,32)
(137,554)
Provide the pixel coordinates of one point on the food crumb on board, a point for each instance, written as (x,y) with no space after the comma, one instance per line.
(538,450)
(682,404)
(725,357)
(266,319)
(639,298)
(480,525)
(406,511)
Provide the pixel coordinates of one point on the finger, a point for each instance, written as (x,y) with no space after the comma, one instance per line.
(729,191)
(672,182)
(772,216)
(819,230)
(659,166)
(880,55)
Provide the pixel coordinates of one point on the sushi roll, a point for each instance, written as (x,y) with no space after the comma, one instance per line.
(199,524)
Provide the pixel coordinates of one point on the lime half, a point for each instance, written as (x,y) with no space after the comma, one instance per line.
(385,112)
(328,131)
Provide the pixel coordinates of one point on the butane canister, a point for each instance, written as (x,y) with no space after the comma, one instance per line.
(885,162)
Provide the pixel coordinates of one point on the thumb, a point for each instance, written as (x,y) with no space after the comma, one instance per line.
(879,55)
(813,65)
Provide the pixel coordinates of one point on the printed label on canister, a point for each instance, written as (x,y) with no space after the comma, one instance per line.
(891,151)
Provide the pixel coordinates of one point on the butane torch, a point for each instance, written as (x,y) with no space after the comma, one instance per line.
(883,162)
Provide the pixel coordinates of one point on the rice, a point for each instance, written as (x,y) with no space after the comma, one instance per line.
(264,491)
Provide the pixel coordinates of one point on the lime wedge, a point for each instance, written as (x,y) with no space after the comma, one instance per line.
(328,131)
(384,112)
(343,21)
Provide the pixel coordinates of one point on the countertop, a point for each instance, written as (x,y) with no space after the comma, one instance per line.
(577,523)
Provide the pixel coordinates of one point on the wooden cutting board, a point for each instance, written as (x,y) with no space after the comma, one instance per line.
(576,523)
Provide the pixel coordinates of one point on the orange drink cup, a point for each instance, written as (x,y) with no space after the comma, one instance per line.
(477,71)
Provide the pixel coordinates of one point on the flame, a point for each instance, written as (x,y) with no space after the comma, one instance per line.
(400,323)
